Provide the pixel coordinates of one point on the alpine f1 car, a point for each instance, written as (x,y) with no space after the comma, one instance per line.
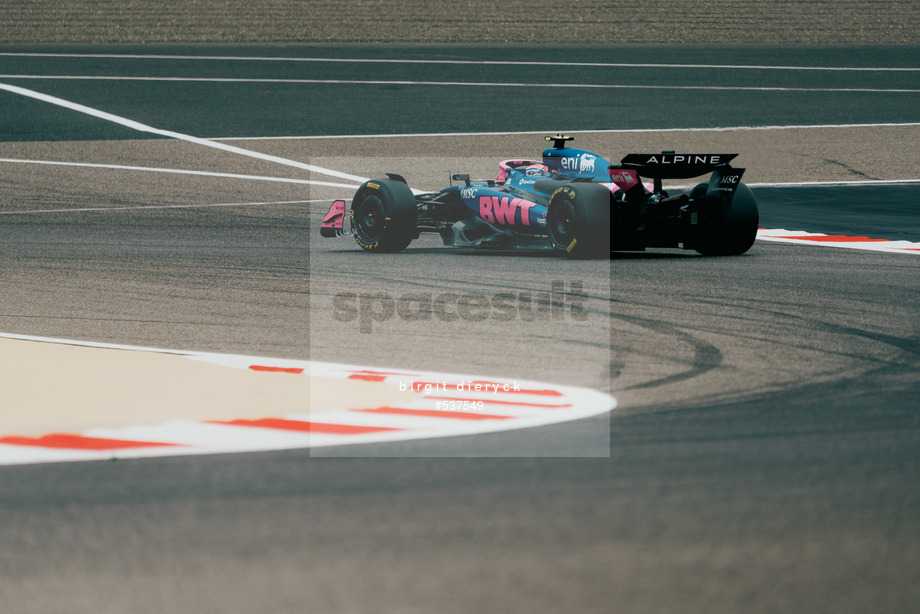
(572,201)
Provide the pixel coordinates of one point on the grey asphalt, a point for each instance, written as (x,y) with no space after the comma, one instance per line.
(764,456)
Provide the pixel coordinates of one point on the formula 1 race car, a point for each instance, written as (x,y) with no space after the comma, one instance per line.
(572,201)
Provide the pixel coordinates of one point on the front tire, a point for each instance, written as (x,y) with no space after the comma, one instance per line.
(578,220)
(384,217)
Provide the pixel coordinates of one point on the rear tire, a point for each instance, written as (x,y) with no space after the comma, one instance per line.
(384,217)
(578,220)
(727,230)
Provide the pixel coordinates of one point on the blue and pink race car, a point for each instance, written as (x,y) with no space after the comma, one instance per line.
(572,201)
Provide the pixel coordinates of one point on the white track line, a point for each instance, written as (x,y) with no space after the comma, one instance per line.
(828,184)
(146,207)
(801,184)
(816,184)
(455,62)
(556,130)
(181,172)
(596,86)
(128,123)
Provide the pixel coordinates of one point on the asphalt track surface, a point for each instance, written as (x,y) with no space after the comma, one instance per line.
(764,456)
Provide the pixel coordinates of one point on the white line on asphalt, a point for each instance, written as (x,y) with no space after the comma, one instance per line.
(459,62)
(128,123)
(181,172)
(601,86)
(860,182)
(816,184)
(822,184)
(145,207)
(574,132)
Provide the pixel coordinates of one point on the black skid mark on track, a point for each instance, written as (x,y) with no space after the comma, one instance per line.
(850,169)
(706,356)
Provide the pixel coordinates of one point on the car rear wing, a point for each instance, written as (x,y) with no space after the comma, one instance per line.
(670,165)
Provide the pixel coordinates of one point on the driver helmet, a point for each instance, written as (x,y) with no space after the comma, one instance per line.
(536,170)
